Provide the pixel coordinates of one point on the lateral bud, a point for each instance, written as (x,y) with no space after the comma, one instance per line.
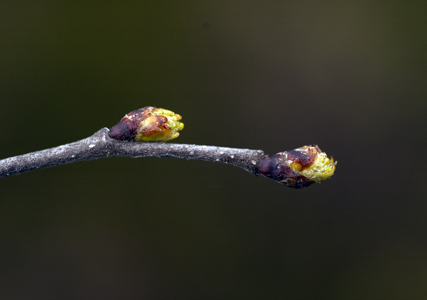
(147,124)
(298,168)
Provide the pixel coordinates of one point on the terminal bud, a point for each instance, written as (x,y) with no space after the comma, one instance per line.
(298,168)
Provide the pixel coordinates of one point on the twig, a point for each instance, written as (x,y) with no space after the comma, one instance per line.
(296,168)
(101,145)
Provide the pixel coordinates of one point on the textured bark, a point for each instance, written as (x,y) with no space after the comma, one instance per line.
(101,145)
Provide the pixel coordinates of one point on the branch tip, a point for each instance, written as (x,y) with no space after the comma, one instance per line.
(298,168)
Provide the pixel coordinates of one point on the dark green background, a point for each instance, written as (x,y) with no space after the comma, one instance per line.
(350,76)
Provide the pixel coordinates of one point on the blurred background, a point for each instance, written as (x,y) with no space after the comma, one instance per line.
(350,76)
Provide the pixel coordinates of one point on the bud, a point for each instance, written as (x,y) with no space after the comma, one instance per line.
(298,168)
(148,124)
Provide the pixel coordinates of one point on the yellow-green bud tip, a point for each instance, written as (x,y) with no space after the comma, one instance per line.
(321,168)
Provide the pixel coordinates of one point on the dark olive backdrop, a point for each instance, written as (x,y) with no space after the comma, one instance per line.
(350,76)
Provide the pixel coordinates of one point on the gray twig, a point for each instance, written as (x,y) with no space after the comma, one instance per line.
(101,145)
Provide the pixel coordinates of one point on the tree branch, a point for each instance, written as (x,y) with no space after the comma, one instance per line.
(101,145)
(295,168)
